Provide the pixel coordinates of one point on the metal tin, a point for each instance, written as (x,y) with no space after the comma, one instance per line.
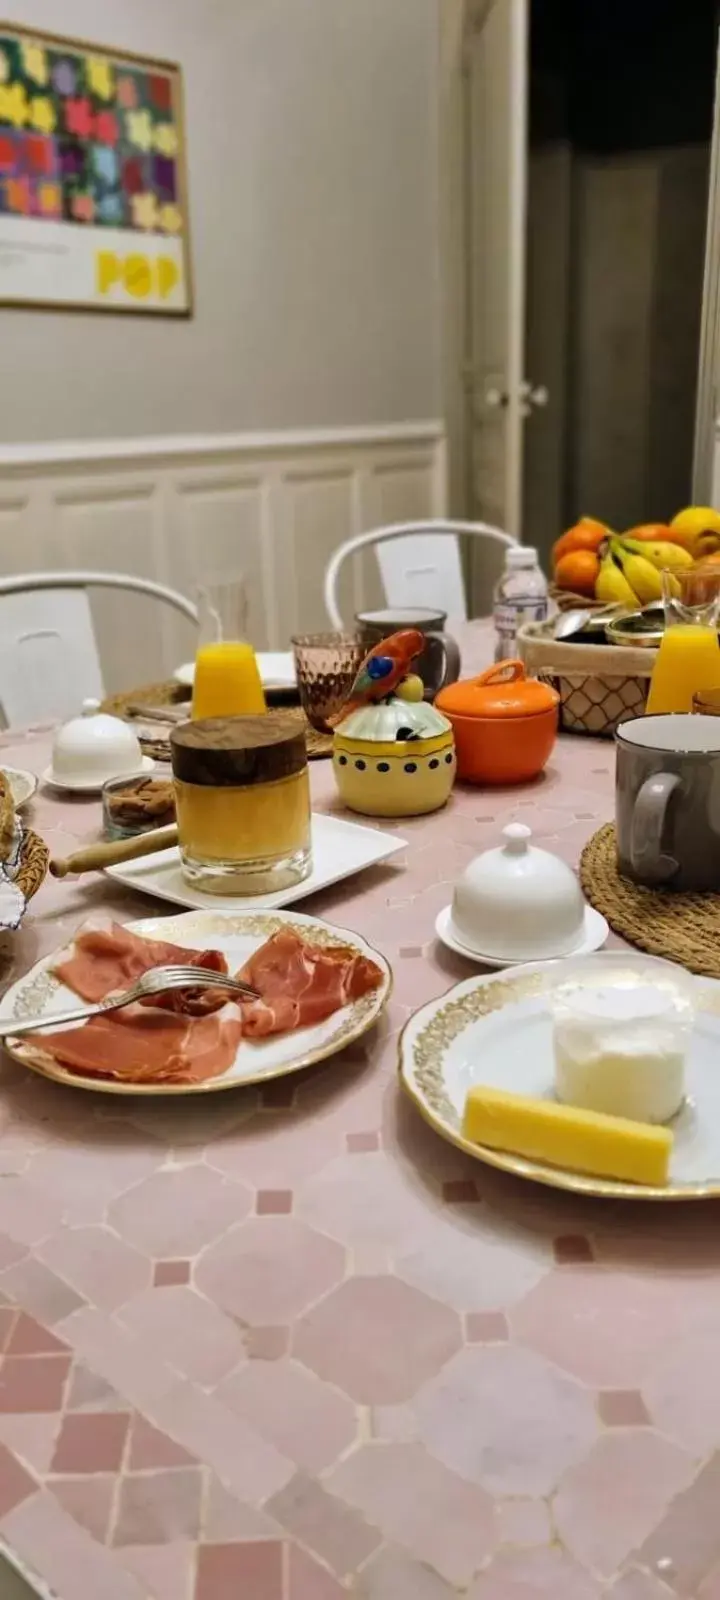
(643,628)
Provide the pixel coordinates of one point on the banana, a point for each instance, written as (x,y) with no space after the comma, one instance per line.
(641,575)
(612,587)
(660,552)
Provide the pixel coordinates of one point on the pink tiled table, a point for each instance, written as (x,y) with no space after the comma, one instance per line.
(290,1346)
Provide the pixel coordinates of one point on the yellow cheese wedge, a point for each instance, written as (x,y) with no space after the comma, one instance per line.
(580,1141)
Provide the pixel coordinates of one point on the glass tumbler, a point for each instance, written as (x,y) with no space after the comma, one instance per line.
(327,665)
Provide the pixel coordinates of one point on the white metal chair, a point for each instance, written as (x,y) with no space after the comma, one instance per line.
(49,661)
(419,564)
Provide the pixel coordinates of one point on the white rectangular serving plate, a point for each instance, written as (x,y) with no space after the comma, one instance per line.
(339,849)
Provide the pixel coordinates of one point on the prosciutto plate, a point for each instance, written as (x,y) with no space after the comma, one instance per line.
(321,988)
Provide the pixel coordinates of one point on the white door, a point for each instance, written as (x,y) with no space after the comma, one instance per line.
(706,459)
(497,395)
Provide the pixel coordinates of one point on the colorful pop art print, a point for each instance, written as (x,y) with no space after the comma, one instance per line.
(93,186)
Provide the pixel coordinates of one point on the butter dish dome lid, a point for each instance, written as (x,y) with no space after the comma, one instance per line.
(518,902)
(394,720)
(94,746)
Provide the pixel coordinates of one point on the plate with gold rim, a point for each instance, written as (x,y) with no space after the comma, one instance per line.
(40,993)
(496,1030)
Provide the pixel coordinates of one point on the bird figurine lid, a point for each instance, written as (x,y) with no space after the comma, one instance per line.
(385,667)
(386,700)
(394,720)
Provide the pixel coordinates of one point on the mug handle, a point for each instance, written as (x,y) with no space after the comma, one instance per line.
(451,658)
(646,830)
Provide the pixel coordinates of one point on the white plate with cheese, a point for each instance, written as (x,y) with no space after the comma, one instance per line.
(497,1032)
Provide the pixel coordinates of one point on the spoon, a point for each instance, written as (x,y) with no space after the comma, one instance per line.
(571,622)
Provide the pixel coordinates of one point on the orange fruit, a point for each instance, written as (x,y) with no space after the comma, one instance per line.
(585,535)
(651,530)
(578,570)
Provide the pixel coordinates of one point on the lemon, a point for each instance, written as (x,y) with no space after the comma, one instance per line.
(698,529)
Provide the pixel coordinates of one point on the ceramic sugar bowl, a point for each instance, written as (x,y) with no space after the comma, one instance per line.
(504,724)
(395,758)
(519,903)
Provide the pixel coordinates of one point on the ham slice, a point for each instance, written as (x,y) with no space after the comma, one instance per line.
(191,1036)
(301,984)
(106,959)
(140,1045)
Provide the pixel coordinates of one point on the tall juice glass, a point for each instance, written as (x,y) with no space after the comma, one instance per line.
(688,658)
(227,678)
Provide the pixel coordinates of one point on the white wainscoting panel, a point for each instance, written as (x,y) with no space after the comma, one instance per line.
(273,507)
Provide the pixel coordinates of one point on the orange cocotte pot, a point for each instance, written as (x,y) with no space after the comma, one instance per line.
(504,724)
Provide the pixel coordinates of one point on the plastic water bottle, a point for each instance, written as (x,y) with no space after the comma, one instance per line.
(520,596)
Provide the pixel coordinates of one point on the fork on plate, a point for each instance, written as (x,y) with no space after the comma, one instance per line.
(158,981)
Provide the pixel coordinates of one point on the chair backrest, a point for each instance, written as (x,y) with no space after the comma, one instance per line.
(419,563)
(49,660)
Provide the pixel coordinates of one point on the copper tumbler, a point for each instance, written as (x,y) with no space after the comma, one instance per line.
(327,665)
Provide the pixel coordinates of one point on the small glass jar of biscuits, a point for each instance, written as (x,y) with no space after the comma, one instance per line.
(137,803)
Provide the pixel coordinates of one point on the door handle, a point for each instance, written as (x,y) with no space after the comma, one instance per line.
(531,395)
(535,394)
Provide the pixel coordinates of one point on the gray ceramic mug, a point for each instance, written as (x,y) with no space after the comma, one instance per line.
(440,661)
(667,799)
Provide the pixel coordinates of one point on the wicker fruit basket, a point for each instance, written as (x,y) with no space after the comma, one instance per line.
(567,600)
(600,685)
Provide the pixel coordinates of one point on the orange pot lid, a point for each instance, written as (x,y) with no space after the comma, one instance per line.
(502,691)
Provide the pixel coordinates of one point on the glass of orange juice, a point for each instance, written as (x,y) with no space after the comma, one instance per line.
(227,677)
(688,658)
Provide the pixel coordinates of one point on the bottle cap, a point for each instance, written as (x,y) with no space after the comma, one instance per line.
(521,555)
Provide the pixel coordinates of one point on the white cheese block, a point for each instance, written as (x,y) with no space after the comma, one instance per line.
(622,1051)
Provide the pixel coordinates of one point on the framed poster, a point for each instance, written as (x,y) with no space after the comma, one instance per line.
(93,186)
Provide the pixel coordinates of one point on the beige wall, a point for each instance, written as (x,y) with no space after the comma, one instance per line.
(313,188)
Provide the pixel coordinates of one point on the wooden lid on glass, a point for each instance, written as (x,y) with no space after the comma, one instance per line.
(238,751)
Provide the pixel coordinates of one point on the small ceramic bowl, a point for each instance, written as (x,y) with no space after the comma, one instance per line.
(518,903)
(91,748)
(505,724)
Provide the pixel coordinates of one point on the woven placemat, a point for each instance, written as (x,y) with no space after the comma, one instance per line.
(319,745)
(679,927)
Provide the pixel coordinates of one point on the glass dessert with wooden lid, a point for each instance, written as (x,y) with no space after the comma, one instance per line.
(243,803)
